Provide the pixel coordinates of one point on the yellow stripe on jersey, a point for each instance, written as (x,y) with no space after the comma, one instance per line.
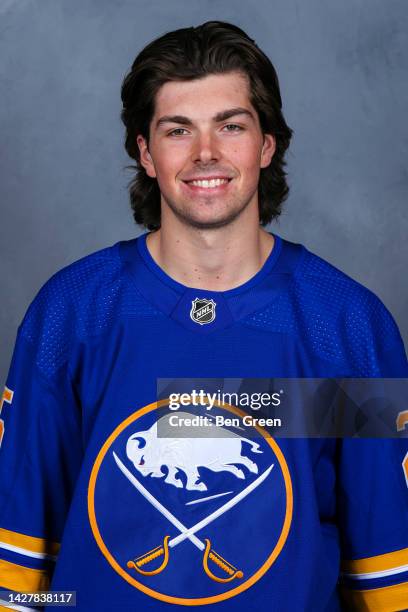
(379,563)
(386,599)
(37,545)
(18,578)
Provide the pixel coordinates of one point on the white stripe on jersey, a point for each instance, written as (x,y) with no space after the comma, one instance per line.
(27,553)
(381,574)
(6,604)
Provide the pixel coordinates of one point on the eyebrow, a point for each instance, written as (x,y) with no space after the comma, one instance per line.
(221,116)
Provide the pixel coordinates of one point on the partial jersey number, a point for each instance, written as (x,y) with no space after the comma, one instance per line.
(6,397)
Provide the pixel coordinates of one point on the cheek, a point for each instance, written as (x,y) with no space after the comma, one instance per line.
(168,164)
(165,170)
(246,156)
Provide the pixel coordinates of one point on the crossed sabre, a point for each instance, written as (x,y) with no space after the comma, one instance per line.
(188,533)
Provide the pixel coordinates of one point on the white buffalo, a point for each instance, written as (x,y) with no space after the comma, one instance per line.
(149,453)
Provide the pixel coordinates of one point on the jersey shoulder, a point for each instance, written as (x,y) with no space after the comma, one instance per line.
(345,318)
(80,301)
(335,318)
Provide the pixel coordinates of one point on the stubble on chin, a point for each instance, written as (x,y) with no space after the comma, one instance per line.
(190,220)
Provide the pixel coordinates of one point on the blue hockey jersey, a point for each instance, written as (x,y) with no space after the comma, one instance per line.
(93,500)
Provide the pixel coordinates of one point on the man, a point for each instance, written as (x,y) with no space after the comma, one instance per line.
(135,521)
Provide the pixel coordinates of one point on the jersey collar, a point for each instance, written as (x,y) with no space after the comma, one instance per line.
(204,311)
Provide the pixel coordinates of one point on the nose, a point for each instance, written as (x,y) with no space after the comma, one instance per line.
(205,148)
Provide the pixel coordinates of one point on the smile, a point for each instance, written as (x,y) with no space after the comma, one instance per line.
(208,183)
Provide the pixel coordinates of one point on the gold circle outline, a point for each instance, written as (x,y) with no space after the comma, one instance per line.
(197,601)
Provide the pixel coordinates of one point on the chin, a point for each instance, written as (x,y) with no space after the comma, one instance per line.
(207,223)
(207,219)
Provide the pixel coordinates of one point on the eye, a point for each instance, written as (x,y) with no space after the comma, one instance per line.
(232,127)
(178,132)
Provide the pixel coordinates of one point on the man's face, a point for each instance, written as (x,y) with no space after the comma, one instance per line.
(206,149)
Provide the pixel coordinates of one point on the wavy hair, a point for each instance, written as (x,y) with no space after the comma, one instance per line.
(214,47)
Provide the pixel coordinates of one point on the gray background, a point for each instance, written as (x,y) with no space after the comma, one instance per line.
(343,74)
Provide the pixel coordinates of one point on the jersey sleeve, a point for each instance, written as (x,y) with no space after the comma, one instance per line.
(40,455)
(373,517)
(373,480)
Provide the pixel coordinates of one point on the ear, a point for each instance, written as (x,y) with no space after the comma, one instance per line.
(145,157)
(268,150)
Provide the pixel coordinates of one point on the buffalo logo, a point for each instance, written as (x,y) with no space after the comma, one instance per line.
(170,511)
(202,311)
(150,453)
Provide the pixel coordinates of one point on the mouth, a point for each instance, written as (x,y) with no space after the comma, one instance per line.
(208,184)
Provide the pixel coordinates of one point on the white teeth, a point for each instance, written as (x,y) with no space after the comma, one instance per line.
(210,183)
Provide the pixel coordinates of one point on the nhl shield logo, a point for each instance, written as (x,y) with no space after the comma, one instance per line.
(202,311)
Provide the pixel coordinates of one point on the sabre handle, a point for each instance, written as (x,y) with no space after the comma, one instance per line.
(139,562)
(229,569)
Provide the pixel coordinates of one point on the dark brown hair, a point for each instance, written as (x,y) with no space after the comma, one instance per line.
(190,53)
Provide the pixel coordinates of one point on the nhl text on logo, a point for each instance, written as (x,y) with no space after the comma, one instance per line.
(202,311)
(170,515)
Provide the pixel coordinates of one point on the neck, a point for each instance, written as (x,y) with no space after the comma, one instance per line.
(216,260)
